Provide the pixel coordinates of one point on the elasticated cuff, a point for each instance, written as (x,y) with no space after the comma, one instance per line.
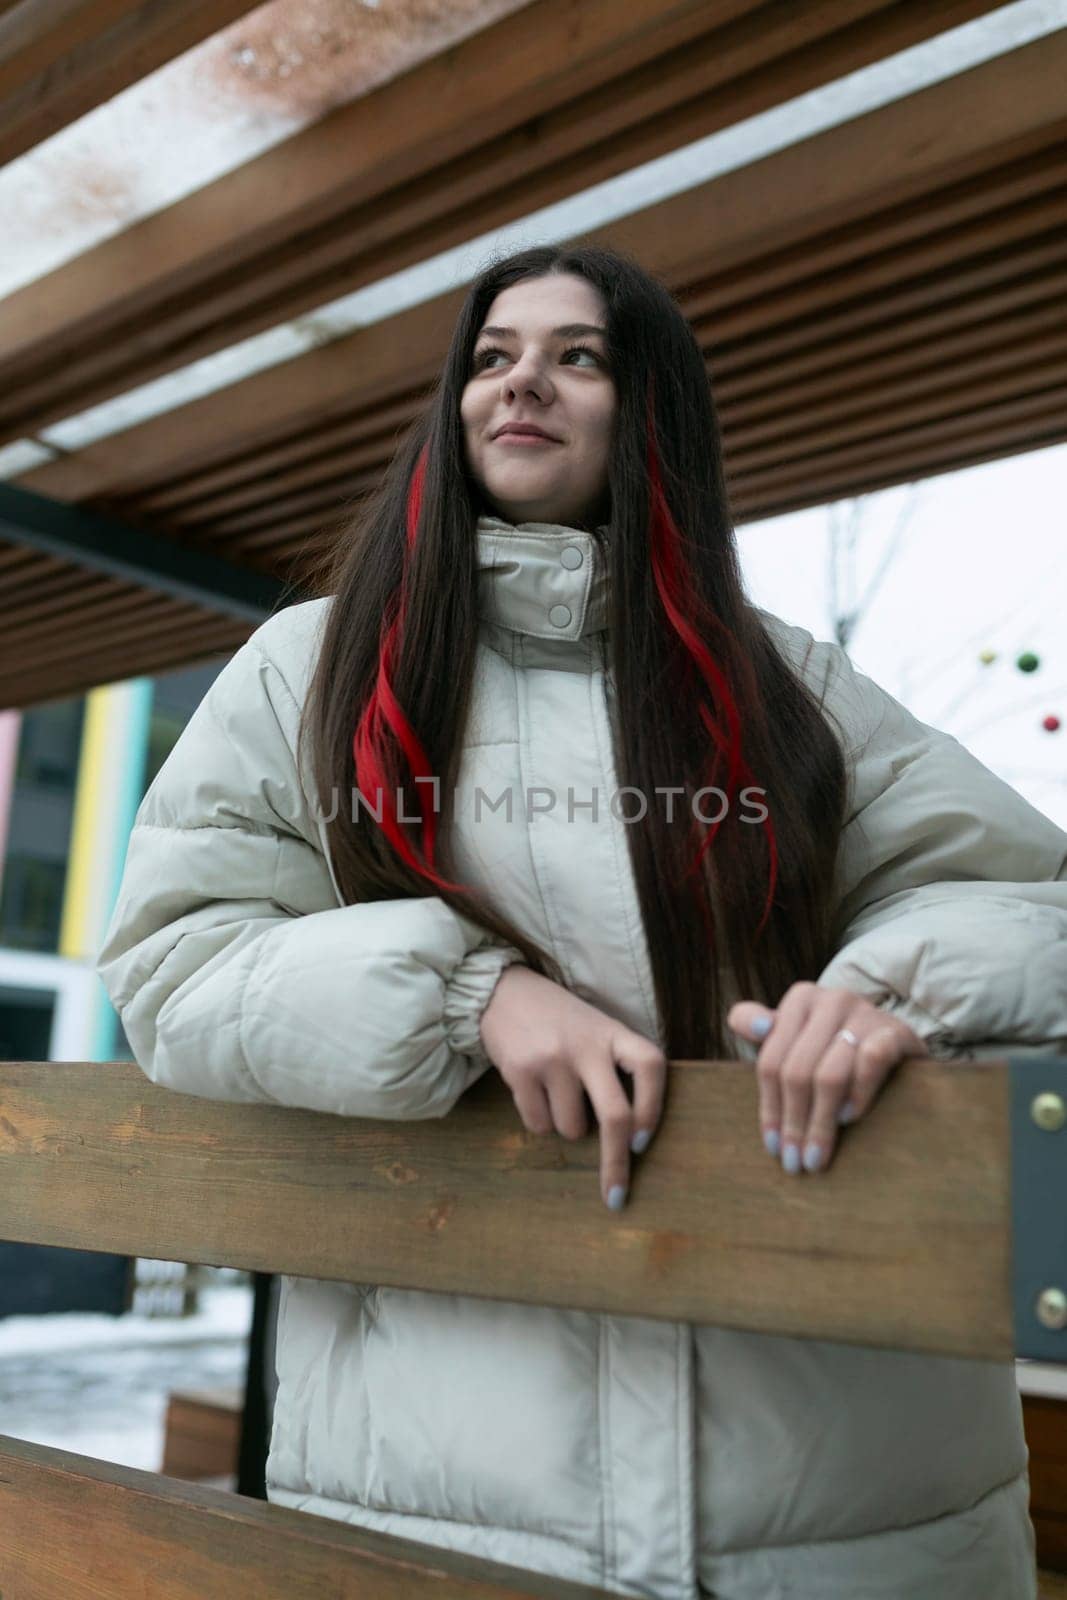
(469,991)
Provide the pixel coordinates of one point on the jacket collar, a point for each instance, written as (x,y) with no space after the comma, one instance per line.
(541,578)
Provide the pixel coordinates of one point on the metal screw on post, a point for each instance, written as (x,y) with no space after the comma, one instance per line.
(1037,1098)
(1049,1112)
(1051,1308)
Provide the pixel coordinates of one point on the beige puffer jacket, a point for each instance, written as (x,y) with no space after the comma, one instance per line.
(652,1458)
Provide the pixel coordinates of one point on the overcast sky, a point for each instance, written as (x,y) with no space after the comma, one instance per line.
(982,563)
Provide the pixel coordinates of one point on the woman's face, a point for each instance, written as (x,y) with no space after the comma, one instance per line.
(528,367)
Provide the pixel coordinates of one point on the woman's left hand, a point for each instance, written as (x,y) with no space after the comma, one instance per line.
(811,1079)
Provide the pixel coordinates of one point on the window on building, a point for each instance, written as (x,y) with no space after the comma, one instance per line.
(25,1023)
(49,742)
(42,809)
(31,902)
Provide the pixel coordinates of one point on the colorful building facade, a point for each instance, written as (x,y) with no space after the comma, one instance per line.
(72,774)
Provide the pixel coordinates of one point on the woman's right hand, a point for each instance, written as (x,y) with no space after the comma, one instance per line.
(549,1046)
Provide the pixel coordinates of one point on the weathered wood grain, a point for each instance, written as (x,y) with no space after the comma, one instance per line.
(76,1529)
(903,1242)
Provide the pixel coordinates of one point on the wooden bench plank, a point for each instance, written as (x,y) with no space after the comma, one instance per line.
(202,1434)
(905,1242)
(76,1529)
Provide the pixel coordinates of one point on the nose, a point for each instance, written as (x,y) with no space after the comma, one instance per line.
(527,376)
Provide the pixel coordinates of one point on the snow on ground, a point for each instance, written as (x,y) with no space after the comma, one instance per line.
(98,1385)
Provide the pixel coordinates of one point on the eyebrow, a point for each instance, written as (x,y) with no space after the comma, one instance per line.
(569,330)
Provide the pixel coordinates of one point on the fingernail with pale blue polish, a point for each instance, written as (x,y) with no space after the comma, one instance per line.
(847,1112)
(772,1141)
(791,1159)
(617,1197)
(639,1142)
(812,1157)
(761,1027)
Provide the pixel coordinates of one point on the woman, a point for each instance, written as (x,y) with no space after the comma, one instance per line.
(547,623)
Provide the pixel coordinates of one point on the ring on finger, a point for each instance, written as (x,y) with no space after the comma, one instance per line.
(848,1111)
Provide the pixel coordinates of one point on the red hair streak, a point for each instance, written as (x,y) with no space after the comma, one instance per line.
(689,617)
(383,720)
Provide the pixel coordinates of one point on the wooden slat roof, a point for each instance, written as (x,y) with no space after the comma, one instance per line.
(879,302)
(64,630)
(520,115)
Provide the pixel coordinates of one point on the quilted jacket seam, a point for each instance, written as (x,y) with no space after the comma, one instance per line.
(440,1516)
(879,1533)
(269,661)
(603,1446)
(540,878)
(243,825)
(620,875)
(686,1459)
(243,991)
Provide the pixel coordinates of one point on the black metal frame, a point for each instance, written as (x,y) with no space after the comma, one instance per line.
(102,543)
(1039,1204)
(256,1414)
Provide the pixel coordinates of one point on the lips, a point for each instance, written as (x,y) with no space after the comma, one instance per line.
(524,431)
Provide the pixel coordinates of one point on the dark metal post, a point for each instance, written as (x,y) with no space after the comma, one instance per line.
(252,1456)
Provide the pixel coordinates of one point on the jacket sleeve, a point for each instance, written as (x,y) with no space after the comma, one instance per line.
(237,973)
(952,888)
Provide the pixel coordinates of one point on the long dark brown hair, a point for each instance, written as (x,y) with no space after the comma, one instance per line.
(703,696)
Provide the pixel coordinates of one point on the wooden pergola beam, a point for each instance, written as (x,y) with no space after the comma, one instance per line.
(908,310)
(876,304)
(765,406)
(61,58)
(925,174)
(304,223)
(169,645)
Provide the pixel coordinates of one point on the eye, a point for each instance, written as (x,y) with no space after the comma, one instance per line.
(585,350)
(481,356)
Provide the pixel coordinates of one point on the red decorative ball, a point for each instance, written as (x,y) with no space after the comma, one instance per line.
(1050,723)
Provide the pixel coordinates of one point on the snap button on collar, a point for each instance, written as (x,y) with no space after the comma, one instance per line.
(541,578)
